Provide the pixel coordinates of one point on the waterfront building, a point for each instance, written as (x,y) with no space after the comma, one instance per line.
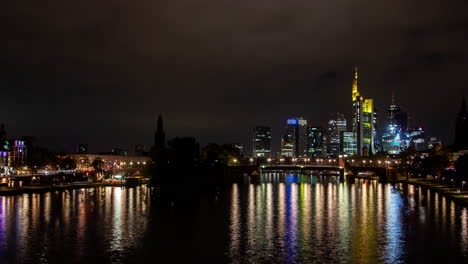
(364,120)
(17,154)
(461,128)
(348,143)
(110,162)
(315,143)
(336,126)
(4,147)
(262,142)
(294,140)
(417,138)
(433,141)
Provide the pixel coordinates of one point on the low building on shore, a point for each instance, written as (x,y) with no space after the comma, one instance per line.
(110,162)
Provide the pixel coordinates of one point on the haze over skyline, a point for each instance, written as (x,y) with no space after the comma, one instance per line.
(100,72)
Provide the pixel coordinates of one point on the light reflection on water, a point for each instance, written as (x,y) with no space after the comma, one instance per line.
(71,225)
(284,219)
(323,220)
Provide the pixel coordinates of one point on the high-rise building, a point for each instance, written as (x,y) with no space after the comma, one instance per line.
(262,142)
(461,128)
(348,143)
(364,120)
(294,141)
(315,143)
(336,126)
(302,138)
(394,139)
(288,141)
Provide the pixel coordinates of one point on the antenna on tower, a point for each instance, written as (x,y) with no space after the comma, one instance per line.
(393,97)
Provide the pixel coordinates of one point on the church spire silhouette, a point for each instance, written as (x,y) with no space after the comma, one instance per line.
(159,135)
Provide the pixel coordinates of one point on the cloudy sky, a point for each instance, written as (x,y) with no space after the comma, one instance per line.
(99,71)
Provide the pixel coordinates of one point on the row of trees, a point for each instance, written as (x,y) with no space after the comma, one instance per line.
(437,163)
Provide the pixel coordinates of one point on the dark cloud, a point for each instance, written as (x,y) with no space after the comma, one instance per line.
(99,71)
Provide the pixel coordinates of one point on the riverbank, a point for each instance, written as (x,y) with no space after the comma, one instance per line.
(452,193)
(46,188)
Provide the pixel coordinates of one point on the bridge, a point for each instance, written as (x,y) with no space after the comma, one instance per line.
(302,167)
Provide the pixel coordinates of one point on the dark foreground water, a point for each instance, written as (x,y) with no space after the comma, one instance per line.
(285,219)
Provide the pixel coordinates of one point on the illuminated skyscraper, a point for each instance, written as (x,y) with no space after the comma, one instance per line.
(315,143)
(294,141)
(336,126)
(364,120)
(395,139)
(262,142)
(348,143)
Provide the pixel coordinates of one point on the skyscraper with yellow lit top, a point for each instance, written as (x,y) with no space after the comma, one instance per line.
(363,120)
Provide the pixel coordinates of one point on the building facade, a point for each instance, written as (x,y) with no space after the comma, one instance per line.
(348,143)
(262,142)
(315,143)
(294,140)
(336,126)
(417,138)
(395,137)
(364,120)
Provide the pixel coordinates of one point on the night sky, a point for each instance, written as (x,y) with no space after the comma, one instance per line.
(99,72)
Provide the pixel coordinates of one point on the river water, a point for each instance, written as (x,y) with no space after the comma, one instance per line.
(282,219)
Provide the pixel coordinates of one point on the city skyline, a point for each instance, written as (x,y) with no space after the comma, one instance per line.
(276,140)
(69,72)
